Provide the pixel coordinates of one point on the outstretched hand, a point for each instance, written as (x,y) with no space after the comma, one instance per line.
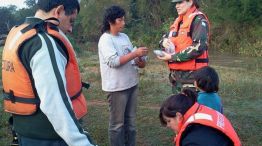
(165,57)
(141,51)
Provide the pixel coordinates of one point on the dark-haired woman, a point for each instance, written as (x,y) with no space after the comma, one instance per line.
(189,34)
(118,66)
(195,124)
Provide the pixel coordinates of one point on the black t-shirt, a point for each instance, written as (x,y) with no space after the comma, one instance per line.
(200,135)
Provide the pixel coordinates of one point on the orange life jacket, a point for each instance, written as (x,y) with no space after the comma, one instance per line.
(19,95)
(180,37)
(203,115)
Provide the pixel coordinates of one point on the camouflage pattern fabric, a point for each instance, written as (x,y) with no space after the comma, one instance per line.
(181,80)
(199,32)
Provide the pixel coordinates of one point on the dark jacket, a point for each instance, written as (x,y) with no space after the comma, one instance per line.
(200,135)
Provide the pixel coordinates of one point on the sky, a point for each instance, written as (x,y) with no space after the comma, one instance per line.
(19,3)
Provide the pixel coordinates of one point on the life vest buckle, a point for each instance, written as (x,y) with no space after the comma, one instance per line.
(85,85)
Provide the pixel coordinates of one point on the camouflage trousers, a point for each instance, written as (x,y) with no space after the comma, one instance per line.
(181,80)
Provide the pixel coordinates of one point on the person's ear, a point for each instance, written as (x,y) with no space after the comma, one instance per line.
(111,23)
(59,10)
(195,84)
(179,116)
(190,2)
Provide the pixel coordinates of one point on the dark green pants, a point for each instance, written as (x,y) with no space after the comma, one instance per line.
(181,80)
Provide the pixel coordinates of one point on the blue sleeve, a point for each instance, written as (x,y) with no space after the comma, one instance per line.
(201,100)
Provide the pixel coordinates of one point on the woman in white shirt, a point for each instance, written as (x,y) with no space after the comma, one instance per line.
(118,67)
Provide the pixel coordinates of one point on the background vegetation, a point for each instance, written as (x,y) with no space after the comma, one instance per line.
(235,30)
(235,24)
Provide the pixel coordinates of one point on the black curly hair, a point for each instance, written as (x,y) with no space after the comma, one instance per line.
(110,16)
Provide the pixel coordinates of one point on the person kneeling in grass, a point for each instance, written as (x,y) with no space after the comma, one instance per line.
(196,124)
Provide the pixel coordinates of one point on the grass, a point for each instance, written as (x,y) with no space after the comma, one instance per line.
(4,127)
(241,93)
(240,90)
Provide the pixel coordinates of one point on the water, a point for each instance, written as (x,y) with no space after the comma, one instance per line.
(228,60)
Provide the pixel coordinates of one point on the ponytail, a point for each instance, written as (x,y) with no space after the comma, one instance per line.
(177,103)
(105,26)
(190,94)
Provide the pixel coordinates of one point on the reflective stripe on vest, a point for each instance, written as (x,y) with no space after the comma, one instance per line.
(180,36)
(19,97)
(203,115)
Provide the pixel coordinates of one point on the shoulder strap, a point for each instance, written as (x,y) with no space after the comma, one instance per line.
(40,26)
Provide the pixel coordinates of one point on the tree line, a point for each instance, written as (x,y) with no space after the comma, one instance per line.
(235,24)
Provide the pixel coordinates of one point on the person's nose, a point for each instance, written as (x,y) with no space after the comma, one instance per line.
(70,29)
(168,125)
(177,5)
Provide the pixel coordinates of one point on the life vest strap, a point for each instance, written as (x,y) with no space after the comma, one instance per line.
(85,85)
(10,96)
(199,60)
(76,95)
(40,26)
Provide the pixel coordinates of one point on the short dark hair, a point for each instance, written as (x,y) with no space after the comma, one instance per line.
(207,79)
(196,3)
(177,103)
(110,15)
(69,5)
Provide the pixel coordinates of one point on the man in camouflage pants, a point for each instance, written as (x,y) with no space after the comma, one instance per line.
(189,36)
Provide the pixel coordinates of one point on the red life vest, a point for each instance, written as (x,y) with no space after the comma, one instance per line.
(203,115)
(180,37)
(19,95)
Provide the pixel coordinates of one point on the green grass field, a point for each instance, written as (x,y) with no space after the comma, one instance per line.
(240,89)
